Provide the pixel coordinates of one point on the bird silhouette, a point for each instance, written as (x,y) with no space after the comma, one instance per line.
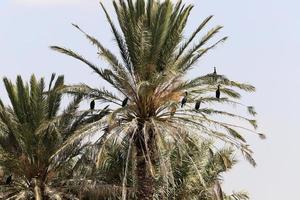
(184,100)
(8,180)
(215,74)
(215,71)
(218,92)
(92,105)
(197,105)
(125,101)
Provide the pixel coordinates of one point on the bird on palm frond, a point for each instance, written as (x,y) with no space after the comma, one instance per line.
(218,92)
(184,99)
(197,105)
(92,105)
(125,102)
(215,74)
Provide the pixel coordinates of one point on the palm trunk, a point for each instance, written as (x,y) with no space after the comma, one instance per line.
(37,190)
(145,181)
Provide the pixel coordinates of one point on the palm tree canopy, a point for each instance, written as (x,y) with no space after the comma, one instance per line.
(151,72)
(32,131)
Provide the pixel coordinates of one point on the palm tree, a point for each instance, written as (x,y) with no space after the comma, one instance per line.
(211,163)
(152,75)
(33,137)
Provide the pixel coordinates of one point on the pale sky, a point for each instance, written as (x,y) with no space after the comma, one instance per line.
(263,49)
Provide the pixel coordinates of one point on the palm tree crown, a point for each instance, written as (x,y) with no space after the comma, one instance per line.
(153,75)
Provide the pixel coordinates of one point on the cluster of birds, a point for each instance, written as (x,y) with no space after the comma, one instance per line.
(125,102)
(183,101)
(92,104)
(198,102)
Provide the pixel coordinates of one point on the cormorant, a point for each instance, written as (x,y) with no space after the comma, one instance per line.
(197,105)
(184,100)
(215,71)
(218,92)
(125,101)
(92,105)
(8,180)
(215,74)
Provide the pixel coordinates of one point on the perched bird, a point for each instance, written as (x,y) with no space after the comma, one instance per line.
(125,101)
(184,100)
(197,105)
(218,92)
(215,74)
(215,71)
(92,105)
(8,180)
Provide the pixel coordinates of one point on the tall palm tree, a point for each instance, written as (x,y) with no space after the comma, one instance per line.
(153,76)
(33,135)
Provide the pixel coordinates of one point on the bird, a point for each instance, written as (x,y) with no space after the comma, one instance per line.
(8,180)
(218,92)
(184,100)
(125,101)
(197,105)
(215,74)
(92,105)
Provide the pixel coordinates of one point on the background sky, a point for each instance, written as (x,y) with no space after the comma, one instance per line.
(263,49)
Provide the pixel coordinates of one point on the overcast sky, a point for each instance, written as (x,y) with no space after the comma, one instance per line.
(263,49)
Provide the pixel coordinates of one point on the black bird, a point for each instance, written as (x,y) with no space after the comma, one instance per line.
(215,74)
(92,105)
(184,100)
(218,92)
(197,105)
(8,180)
(215,71)
(125,101)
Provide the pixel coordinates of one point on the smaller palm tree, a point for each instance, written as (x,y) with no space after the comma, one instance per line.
(33,137)
(204,183)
